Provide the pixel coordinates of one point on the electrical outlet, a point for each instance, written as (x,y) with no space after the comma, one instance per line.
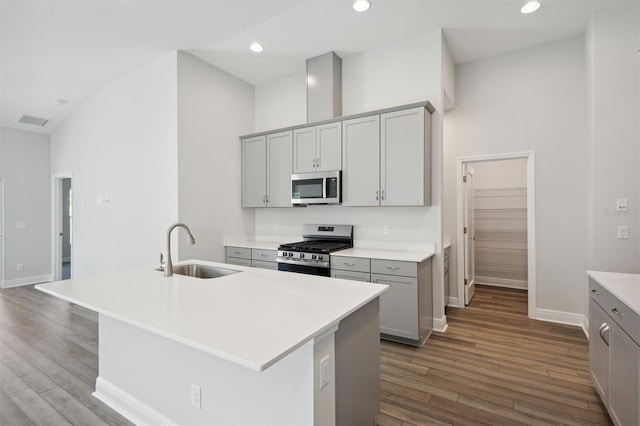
(387,230)
(623,232)
(196,394)
(20,267)
(621,204)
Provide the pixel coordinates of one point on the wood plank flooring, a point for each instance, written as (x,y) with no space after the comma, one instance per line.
(493,366)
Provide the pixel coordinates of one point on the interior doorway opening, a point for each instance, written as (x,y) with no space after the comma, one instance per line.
(62,226)
(496,223)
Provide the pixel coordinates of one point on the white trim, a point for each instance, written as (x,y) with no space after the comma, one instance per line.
(56,224)
(502,282)
(560,317)
(453,301)
(585,325)
(531,222)
(440,324)
(27,281)
(133,409)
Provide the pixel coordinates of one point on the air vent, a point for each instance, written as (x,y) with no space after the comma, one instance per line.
(28,119)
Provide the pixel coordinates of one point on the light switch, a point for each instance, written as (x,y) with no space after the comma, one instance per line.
(623,232)
(98,201)
(324,371)
(621,205)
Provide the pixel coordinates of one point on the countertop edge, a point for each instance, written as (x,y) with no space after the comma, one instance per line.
(598,276)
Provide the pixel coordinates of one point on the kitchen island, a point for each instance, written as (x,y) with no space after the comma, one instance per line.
(254,347)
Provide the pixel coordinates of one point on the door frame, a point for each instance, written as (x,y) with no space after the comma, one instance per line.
(469,239)
(56,224)
(531,223)
(2,238)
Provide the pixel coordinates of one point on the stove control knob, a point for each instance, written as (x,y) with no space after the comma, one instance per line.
(287,254)
(301,255)
(319,257)
(313,257)
(290,254)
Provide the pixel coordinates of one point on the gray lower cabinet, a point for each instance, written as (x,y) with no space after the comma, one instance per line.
(406,308)
(257,258)
(614,355)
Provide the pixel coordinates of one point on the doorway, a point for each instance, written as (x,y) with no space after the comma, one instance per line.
(496,222)
(63,226)
(1,233)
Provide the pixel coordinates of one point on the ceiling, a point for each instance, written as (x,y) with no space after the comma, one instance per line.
(69,49)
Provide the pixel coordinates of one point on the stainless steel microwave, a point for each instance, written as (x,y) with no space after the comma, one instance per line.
(316,188)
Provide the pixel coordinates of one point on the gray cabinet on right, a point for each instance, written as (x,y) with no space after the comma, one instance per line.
(386,159)
(614,352)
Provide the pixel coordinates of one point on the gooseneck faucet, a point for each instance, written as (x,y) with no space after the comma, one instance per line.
(168,267)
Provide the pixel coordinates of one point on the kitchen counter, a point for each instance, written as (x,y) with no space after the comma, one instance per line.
(297,349)
(625,287)
(406,256)
(253,244)
(299,308)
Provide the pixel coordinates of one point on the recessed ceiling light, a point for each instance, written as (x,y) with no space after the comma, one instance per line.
(256,47)
(361,5)
(530,6)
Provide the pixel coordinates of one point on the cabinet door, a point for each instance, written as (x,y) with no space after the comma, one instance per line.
(398,306)
(361,161)
(402,158)
(279,158)
(254,172)
(329,147)
(351,275)
(622,377)
(599,349)
(304,150)
(238,261)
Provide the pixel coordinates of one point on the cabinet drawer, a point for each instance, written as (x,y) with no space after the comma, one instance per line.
(351,275)
(264,265)
(399,306)
(345,263)
(241,252)
(618,311)
(264,255)
(238,261)
(394,267)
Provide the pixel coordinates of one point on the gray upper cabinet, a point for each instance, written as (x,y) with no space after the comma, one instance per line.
(317,148)
(386,159)
(405,158)
(254,171)
(266,170)
(361,161)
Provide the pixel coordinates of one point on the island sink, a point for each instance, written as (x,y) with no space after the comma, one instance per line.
(201,271)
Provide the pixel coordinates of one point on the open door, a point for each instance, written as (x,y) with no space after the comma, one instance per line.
(469,233)
(62,216)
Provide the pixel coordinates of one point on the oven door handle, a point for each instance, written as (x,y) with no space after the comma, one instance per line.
(315,263)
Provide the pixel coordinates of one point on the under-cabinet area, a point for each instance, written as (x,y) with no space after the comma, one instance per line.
(614,343)
(384,157)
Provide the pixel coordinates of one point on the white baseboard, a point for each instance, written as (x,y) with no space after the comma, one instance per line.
(440,324)
(502,282)
(26,281)
(453,301)
(560,317)
(585,325)
(128,406)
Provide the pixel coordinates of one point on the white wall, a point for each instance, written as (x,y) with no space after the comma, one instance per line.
(530,99)
(282,102)
(613,86)
(122,144)
(396,74)
(24,167)
(214,108)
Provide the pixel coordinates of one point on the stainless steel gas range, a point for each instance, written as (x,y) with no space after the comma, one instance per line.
(312,255)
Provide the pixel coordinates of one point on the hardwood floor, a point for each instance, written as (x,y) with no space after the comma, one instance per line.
(493,366)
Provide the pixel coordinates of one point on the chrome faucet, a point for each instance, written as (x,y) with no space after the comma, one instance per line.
(168,267)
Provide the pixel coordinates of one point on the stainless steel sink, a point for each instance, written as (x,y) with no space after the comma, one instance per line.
(201,271)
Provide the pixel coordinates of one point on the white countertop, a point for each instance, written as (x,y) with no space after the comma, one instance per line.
(406,256)
(252,244)
(626,287)
(253,318)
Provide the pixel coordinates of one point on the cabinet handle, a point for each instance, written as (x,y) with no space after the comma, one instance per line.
(383,195)
(266,198)
(264,255)
(318,162)
(594,291)
(617,312)
(349,264)
(237,252)
(393,268)
(377,195)
(604,328)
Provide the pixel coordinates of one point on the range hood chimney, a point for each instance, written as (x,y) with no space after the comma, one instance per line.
(324,87)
